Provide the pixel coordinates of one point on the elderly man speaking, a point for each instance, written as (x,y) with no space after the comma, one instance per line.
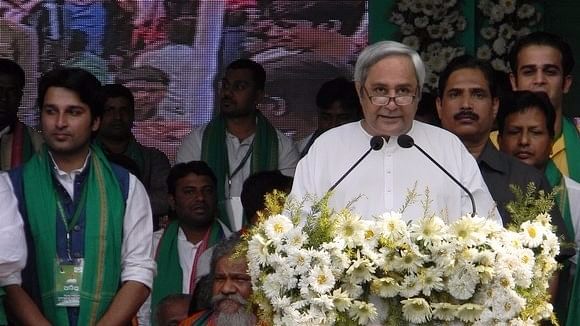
(389,78)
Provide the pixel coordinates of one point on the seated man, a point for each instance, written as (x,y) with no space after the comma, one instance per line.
(526,131)
(231,288)
(115,137)
(257,186)
(337,104)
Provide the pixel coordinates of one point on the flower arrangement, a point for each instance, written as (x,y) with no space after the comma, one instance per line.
(336,268)
(430,27)
(504,22)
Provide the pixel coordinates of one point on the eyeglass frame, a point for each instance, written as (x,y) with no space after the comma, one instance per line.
(389,98)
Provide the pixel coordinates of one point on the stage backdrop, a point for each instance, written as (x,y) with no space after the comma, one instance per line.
(172,53)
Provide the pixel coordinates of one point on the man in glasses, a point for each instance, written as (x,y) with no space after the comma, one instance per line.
(389,77)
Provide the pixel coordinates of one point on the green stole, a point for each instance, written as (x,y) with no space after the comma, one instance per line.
(169,278)
(572,145)
(203,318)
(215,153)
(556,179)
(104,214)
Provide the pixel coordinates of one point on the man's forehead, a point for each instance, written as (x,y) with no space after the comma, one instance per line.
(7,80)
(242,74)
(232,265)
(195,179)
(539,56)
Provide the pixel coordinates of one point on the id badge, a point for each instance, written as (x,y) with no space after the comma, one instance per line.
(69,276)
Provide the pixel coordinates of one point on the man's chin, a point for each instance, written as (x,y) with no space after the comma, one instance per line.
(229,307)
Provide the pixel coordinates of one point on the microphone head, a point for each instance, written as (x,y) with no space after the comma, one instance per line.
(405,141)
(377,142)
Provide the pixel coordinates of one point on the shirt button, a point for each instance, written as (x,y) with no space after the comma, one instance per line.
(388,172)
(76,228)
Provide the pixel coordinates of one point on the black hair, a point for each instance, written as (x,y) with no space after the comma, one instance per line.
(118,90)
(9,67)
(522,101)
(468,62)
(544,39)
(339,89)
(258,72)
(77,80)
(258,185)
(181,170)
(78,41)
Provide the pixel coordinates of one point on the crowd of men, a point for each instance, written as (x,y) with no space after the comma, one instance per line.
(97,228)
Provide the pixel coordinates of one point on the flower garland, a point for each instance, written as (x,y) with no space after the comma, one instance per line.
(336,268)
(505,21)
(431,28)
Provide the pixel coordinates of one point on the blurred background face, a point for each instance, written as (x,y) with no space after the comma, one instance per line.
(392,76)
(117,118)
(467,107)
(539,69)
(525,136)
(335,115)
(238,93)
(194,201)
(10,96)
(147,96)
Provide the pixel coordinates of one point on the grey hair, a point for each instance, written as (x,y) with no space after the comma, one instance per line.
(225,248)
(376,52)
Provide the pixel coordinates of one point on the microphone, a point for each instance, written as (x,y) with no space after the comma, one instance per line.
(376,144)
(406,141)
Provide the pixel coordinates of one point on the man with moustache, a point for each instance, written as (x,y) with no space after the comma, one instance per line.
(389,77)
(231,287)
(239,141)
(467,106)
(195,229)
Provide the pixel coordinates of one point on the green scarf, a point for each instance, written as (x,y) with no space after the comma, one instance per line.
(572,143)
(556,179)
(103,235)
(169,278)
(214,151)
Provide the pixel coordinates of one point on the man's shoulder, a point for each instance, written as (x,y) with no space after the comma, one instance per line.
(514,170)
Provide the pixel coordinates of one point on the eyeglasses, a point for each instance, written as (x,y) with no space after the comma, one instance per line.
(381,100)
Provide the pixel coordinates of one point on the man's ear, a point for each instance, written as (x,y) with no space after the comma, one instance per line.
(567,84)
(513,81)
(171,201)
(439,107)
(96,124)
(495,106)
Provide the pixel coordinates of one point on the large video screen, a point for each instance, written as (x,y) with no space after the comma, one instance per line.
(172,53)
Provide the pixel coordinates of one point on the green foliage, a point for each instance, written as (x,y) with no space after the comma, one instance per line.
(528,204)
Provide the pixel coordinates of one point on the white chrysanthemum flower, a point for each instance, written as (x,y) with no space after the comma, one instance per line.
(277,226)
(370,235)
(461,23)
(499,65)
(412,41)
(258,249)
(352,289)
(444,311)
(488,33)
(392,227)
(407,29)
(550,245)
(408,260)
(434,31)
(509,6)
(361,269)
(484,52)
(507,305)
(521,322)
(321,279)
(430,231)
(410,286)
(545,219)
(526,11)
(532,233)
(299,259)
(341,300)
(462,282)
(363,312)
(434,47)
(385,287)
(403,5)
(447,31)
(469,312)
(497,13)
(430,279)
(506,31)
(350,228)
(319,257)
(279,303)
(271,286)
(296,238)
(397,19)
(466,230)
(416,310)
(505,279)
(421,21)
(499,46)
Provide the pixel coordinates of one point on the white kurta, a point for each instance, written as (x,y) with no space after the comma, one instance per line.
(12,239)
(386,176)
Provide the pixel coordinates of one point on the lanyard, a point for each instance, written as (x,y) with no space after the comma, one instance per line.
(69,223)
(239,167)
